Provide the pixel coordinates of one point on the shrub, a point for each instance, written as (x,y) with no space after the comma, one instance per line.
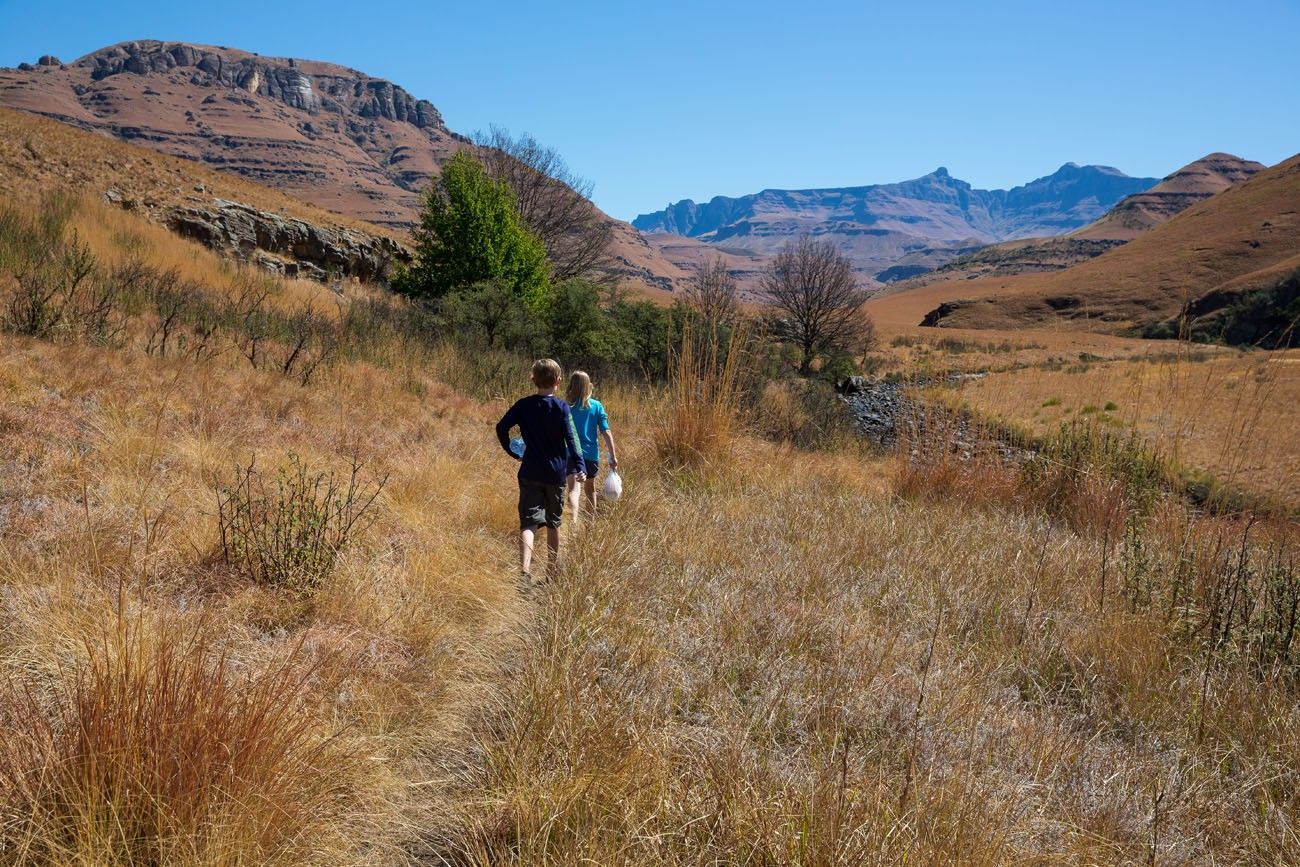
(803,412)
(155,748)
(643,329)
(290,535)
(489,315)
(580,335)
(308,341)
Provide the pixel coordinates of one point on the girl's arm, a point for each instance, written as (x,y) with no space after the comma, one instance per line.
(609,445)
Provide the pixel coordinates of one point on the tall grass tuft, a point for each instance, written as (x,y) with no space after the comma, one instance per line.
(704,392)
(154,747)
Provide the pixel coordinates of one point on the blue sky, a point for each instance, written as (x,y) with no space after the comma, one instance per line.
(667,100)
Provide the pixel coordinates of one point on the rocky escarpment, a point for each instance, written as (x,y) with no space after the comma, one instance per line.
(324,134)
(292,247)
(336,90)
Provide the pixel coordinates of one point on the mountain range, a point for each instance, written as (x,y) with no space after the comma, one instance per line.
(352,152)
(1132,217)
(876,226)
(1243,239)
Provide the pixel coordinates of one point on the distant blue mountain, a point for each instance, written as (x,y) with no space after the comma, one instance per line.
(876,225)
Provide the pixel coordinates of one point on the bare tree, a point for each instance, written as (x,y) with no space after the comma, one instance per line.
(553,202)
(818,301)
(712,292)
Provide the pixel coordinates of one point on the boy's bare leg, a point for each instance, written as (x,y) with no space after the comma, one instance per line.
(591,496)
(553,548)
(526,551)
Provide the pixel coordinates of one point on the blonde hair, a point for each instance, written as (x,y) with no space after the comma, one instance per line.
(546,372)
(579,390)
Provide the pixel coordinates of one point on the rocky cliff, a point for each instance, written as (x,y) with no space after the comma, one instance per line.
(331,136)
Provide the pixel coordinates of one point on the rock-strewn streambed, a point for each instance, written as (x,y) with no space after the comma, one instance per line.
(876,405)
(887,412)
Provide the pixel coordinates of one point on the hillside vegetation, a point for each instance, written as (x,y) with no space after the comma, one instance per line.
(261,608)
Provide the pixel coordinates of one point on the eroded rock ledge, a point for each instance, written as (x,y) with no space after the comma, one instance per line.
(278,243)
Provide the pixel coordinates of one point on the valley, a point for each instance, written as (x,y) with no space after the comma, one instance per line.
(259,545)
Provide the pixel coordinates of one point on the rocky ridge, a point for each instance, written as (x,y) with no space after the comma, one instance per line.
(924,222)
(334,137)
(1193,183)
(1133,216)
(1241,240)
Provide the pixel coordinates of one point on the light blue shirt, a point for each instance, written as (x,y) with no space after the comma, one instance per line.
(589,421)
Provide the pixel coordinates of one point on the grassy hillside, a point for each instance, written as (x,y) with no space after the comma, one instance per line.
(766,656)
(38,154)
(1249,228)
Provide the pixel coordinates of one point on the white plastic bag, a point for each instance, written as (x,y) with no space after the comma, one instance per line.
(613,486)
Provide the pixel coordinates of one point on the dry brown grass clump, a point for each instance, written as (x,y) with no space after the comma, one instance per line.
(152,746)
(701,418)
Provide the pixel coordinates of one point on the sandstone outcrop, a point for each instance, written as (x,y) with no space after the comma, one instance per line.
(279,243)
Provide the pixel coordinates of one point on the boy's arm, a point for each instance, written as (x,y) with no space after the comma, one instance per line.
(503,431)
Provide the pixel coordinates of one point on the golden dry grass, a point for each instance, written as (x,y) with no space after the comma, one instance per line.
(1232,415)
(778,661)
(786,667)
(113,492)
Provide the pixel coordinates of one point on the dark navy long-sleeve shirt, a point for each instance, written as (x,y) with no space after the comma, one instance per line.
(549,439)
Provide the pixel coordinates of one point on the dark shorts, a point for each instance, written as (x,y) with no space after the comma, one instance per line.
(540,504)
(591,468)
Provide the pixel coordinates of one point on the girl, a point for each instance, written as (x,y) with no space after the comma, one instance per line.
(589,419)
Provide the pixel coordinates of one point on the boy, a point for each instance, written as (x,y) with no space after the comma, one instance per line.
(549,444)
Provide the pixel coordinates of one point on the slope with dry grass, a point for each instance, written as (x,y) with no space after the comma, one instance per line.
(1231,415)
(1248,229)
(759,655)
(38,154)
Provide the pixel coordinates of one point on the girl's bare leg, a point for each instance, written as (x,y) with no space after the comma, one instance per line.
(572,493)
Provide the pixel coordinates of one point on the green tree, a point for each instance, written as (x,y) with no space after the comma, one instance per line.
(470,232)
(643,328)
(489,315)
(580,332)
